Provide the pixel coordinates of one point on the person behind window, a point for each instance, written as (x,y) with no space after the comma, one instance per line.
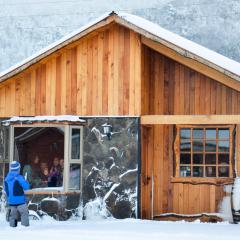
(27,173)
(44,177)
(54,174)
(14,187)
(36,172)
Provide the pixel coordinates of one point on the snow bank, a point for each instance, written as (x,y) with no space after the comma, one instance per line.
(236,194)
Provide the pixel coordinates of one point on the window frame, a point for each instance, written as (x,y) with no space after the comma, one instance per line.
(67,154)
(177,152)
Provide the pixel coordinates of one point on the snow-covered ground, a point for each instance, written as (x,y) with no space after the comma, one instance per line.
(119,229)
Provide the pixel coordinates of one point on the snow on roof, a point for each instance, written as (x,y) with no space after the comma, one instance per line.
(41,119)
(203,52)
(153,29)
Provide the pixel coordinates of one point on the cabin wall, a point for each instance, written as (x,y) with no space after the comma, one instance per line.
(98,75)
(171,88)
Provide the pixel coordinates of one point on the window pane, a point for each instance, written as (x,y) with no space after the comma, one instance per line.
(223,146)
(211,133)
(74,176)
(210,171)
(185,171)
(223,159)
(210,146)
(198,146)
(197,158)
(197,171)
(198,133)
(210,159)
(185,158)
(75,143)
(185,133)
(185,146)
(223,171)
(223,133)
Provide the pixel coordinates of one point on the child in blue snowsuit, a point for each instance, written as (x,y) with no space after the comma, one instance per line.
(14,186)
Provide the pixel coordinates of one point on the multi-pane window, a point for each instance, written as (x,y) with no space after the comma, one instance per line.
(204,151)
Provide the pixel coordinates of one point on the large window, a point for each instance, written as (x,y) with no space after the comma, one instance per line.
(204,151)
(50,156)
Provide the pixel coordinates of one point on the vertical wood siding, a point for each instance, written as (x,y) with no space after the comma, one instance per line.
(98,75)
(172,88)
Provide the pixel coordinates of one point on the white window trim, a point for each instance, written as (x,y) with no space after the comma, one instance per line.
(67,154)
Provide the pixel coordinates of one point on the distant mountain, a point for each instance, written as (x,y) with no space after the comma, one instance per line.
(26,26)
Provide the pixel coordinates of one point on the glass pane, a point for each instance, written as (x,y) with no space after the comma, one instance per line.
(185,171)
(210,146)
(185,146)
(198,133)
(223,159)
(223,133)
(210,171)
(211,133)
(198,146)
(197,158)
(223,171)
(74,176)
(210,159)
(223,146)
(75,143)
(197,171)
(185,133)
(185,158)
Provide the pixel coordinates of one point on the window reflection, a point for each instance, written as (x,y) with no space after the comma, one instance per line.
(210,171)
(197,158)
(185,171)
(185,158)
(211,133)
(185,133)
(197,171)
(198,146)
(223,146)
(198,133)
(223,133)
(75,143)
(185,146)
(223,159)
(210,146)
(74,176)
(210,159)
(223,171)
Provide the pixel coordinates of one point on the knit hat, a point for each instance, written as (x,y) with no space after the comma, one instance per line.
(15,166)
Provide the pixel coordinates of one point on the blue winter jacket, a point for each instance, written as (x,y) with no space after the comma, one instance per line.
(14,186)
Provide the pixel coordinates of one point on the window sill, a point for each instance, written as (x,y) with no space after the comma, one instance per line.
(47,191)
(210,181)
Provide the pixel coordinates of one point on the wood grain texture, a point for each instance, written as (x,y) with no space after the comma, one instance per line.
(99,74)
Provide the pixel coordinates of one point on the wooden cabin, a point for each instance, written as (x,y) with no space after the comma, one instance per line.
(145,120)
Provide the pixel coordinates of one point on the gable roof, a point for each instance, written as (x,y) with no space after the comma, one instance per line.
(147,29)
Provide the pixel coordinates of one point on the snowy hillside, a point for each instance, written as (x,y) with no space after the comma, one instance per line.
(26,26)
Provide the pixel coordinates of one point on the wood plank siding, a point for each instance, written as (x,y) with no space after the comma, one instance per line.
(93,76)
(170,88)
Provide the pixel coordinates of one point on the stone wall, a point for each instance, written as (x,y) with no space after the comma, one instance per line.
(110,167)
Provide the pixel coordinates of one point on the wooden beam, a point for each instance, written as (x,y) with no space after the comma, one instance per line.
(189,119)
(194,63)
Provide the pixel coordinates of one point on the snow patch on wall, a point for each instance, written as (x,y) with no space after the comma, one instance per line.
(225,208)
(236,194)
(96,210)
